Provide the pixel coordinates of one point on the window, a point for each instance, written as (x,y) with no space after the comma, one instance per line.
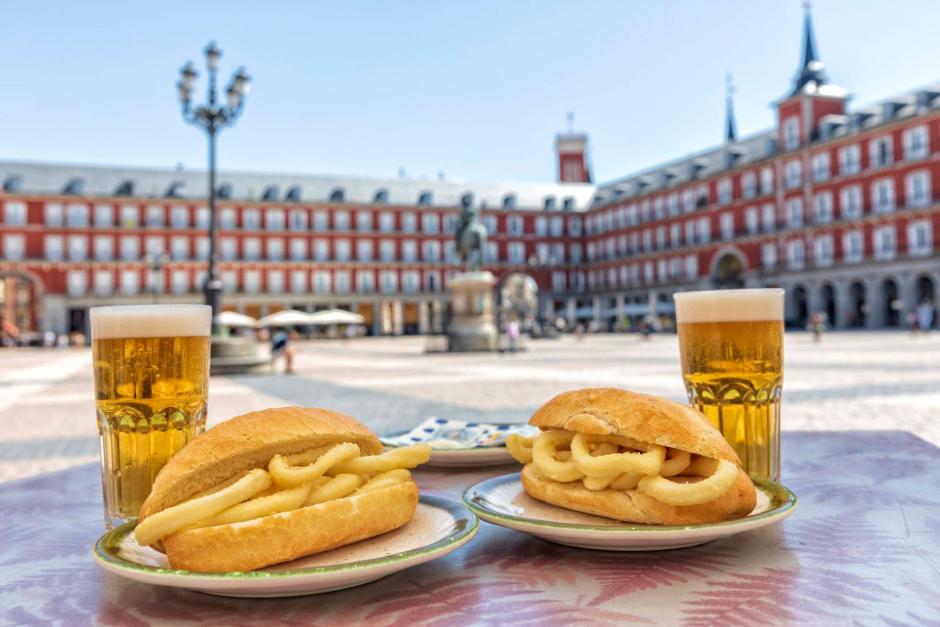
(885,243)
(795,254)
(574,226)
(55,214)
(387,222)
(882,195)
(432,281)
(822,250)
(574,252)
(364,221)
(387,250)
(130,248)
(879,152)
(298,220)
(275,248)
(704,230)
(54,247)
(675,235)
(691,267)
(78,247)
(409,222)
(450,251)
(491,223)
(78,216)
(659,210)
(229,281)
(298,249)
(104,216)
(919,238)
(767,181)
(14,247)
(321,282)
(179,281)
(768,255)
(321,221)
(515,225)
(409,250)
(202,218)
(673,205)
(917,189)
(154,217)
(130,282)
(558,253)
(661,270)
(104,248)
(727,226)
(647,240)
(821,166)
(388,281)
(791,133)
(724,191)
(915,143)
(793,174)
(516,252)
(850,160)
(14,213)
(365,281)
(341,221)
(431,250)
(321,250)
(492,252)
(252,281)
(748,185)
(559,281)
(648,274)
(660,237)
(227,219)
(411,281)
(202,249)
(275,281)
(850,201)
(557,226)
(251,249)
(179,247)
(364,250)
(541,226)
(769,218)
(179,217)
(689,234)
(229,248)
(298,281)
(342,249)
(823,208)
(795,213)
(76,282)
(274,219)
(430,223)
(752,220)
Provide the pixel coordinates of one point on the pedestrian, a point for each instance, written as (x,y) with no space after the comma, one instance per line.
(512,334)
(925,316)
(912,323)
(817,326)
(579,331)
(279,347)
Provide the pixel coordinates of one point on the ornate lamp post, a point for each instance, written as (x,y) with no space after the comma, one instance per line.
(212,117)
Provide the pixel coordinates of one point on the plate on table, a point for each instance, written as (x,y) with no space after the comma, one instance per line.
(456,444)
(439,527)
(502,501)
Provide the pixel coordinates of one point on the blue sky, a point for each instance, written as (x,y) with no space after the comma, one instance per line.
(475,90)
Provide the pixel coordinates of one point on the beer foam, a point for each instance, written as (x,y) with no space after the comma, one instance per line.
(729,305)
(150,321)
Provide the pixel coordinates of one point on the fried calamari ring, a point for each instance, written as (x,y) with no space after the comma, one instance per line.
(701,467)
(172,519)
(336,487)
(626,481)
(708,489)
(283,501)
(386,479)
(288,476)
(307,457)
(545,456)
(614,464)
(520,447)
(676,462)
(598,483)
(405,457)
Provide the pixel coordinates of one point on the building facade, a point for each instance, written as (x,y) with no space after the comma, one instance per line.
(839,207)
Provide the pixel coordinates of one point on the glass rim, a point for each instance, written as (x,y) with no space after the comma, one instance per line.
(756,291)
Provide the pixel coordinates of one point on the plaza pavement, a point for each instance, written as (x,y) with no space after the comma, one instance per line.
(870,380)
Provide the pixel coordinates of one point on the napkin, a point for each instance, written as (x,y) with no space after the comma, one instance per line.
(442,433)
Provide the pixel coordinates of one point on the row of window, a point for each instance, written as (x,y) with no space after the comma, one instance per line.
(130,282)
(77,215)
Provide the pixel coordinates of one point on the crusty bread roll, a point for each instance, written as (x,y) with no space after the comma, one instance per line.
(612,411)
(232,448)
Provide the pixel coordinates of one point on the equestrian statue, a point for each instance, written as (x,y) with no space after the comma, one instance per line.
(471,235)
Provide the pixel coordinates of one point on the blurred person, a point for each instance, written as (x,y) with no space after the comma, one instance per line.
(579,331)
(817,325)
(925,316)
(512,333)
(913,324)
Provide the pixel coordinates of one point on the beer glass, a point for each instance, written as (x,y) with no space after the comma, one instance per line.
(151,367)
(731,346)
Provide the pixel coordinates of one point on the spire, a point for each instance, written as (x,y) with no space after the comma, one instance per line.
(811,68)
(730,130)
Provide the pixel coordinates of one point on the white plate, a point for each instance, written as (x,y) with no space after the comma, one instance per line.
(464,457)
(439,527)
(502,501)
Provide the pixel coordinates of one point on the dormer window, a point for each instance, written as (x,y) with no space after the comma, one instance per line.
(13,184)
(425,199)
(269,193)
(568,203)
(293,194)
(338,195)
(126,188)
(381,197)
(224,191)
(509,201)
(549,203)
(73,187)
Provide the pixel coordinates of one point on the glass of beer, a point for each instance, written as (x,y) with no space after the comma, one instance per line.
(731,346)
(151,375)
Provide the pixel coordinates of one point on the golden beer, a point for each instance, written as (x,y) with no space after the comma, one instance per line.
(731,346)
(151,368)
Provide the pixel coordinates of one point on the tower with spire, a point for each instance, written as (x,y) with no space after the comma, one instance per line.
(811,98)
(730,126)
(571,148)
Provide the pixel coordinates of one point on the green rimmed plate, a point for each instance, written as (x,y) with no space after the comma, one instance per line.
(439,527)
(502,501)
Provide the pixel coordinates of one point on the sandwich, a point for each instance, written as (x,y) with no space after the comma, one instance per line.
(634,458)
(275,485)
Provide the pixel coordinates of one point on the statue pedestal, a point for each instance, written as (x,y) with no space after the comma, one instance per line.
(472,323)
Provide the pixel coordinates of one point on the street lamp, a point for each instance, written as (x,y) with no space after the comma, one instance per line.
(212,117)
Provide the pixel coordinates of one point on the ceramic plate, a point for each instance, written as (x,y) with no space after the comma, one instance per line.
(467,457)
(502,501)
(438,528)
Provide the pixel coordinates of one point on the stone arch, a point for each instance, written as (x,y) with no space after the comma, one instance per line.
(828,302)
(728,268)
(858,304)
(799,306)
(891,303)
(21,297)
(517,295)
(925,301)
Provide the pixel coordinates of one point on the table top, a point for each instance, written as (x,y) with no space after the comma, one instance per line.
(863,546)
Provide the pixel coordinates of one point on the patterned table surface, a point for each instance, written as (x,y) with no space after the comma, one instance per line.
(863,547)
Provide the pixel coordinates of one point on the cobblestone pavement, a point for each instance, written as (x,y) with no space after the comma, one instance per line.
(849,381)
